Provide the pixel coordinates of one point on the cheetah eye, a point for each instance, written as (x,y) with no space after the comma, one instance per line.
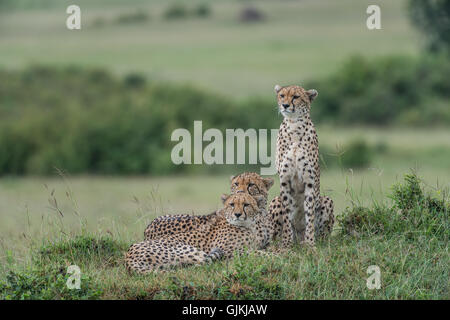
(281,95)
(232,205)
(236,184)
(296,97)
(246,205)
(251,185)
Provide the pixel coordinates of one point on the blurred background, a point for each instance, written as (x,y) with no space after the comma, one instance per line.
(86,115)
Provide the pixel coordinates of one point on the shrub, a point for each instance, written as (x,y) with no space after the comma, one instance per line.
(202,10)
(385,91)
(357,154)
(433,19)
(48,284)
(82,250)
(47,278)
(176,11)
(248,279)
(134,17)
(87,121)
(412,215)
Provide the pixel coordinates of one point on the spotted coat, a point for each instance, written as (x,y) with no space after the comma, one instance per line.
(240,225)
(247,182)
(297,163)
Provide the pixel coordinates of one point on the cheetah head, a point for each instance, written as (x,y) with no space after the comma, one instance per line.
(251,183)
(294,102)
(241,209)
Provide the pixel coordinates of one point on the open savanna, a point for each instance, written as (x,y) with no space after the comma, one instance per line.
(55,211)
(298,40)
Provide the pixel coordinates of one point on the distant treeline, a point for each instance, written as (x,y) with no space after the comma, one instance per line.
(88,121)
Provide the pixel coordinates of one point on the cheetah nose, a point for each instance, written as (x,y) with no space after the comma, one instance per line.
(285,105)
(238,215)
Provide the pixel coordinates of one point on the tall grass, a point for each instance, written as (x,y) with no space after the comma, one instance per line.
(406,236)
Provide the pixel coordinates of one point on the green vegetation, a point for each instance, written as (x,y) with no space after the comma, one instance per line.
(104,100)
(431,17)
(45,284)
(134,17)
(407,238)
(52,125)
(131,131)
(292,45)
(412,215)
(386,91)
(176,11)
(202,10)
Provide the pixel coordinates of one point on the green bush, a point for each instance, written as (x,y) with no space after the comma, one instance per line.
(413,214)
(47,277)
(48,284)
(133,17)
(88,121)
(386,91)
(433,19)
(81,250)
(202,10)
(248,279)
(176,11)
(357,154)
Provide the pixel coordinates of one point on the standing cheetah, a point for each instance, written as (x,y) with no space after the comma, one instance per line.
(240,224)
(247,182)
(300,206)
(323,223)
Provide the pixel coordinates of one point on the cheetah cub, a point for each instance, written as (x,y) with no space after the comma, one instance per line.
(300,209)
(239,225)
(247,182)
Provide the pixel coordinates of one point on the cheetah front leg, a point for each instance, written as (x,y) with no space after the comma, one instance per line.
(307,175)
(275,218)
(324,220)
(309,207)
(288,209)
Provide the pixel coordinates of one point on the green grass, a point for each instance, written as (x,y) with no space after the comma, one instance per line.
(407,240)
(49,223)
(292,45)
(124,205)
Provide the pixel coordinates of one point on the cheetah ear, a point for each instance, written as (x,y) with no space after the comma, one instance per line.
(268,182)
(312,94)
(277,88)
(232,177)
(224,197)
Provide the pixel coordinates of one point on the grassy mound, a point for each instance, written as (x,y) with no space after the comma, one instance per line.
(406,238)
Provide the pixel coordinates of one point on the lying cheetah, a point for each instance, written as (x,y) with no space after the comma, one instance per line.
(240,224)
(247,182)
(301,206)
